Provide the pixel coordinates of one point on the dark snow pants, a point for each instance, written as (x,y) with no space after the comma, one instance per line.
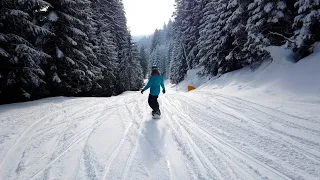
(153,103)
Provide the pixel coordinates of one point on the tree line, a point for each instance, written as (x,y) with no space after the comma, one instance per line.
(225,35)
(66,48)
(84,48)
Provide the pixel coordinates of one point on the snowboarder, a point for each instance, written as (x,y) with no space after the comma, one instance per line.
(154,83)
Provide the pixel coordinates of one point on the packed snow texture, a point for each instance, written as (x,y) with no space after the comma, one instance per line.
(244,125)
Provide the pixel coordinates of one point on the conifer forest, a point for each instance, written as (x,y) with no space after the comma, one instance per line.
(84,47)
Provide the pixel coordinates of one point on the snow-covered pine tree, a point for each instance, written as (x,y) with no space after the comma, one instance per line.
(268,23)
(74,68)
(229,49)
(208,37)
(21,73)
(306,26)
(146,42)
(168,43)
(178,65)
(157,39)
(144,61)
(187,21)
(236,25)
(169,58)
(127,60)
(223,39)
(130,76)
(193,33)
(158,57)
(104,46)
(161,43)
(123,71)
(137,75)
(118,26)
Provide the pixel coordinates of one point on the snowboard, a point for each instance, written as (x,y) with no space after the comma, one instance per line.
(156,116)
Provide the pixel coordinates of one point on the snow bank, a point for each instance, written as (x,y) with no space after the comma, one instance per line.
(316,47)
(282,77)
(191,79)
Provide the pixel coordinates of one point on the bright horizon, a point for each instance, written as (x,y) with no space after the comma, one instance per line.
(145,16)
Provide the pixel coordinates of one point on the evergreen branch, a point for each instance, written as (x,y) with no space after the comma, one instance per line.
(278,34)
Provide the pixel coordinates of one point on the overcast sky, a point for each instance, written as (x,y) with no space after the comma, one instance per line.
(144,16)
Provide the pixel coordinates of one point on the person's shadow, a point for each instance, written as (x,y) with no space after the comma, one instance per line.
(151,143)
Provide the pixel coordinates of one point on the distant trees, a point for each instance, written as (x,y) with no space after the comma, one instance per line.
(129,72)
(178,65)
(72,48)
(160,48)
(143,58)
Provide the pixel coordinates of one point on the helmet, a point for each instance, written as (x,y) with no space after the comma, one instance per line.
(154,67)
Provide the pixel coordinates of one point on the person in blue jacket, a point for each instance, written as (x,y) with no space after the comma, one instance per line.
(154,83)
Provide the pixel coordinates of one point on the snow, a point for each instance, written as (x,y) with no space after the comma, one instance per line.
(268,7)
(316,47)
(15,12)
(77,31)
(282,77)
(53,17)
(281,5)
(4,53)
(59,53)
(191,79)
(261,124)
(56,79)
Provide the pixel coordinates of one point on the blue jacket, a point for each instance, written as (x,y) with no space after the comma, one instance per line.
(154,83)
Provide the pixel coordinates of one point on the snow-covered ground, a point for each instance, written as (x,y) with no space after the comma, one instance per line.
(245,125)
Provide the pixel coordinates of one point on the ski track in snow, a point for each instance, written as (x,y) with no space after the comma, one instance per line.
(201,135)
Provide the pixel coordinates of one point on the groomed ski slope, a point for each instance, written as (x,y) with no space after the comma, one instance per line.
(227,129)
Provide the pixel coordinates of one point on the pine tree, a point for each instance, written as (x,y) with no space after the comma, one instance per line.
(178,65)
(21,74)
(236,25)
(161,42)
(144,61)
(188,16)
(230,46)
(146,42)
(269,21)
(208,38)
(130,76)
(118,26)
(223,38)
(74,67)
(156,39)
(121,36)
(306,25)
(159,57)
(104,46)
(137,75)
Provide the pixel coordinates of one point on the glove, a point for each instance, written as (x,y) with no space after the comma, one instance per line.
(163,91)
(142,91)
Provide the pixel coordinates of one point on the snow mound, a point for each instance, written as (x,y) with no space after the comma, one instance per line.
(191,79)
(282,77)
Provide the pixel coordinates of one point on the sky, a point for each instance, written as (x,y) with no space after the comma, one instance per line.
(145,16)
